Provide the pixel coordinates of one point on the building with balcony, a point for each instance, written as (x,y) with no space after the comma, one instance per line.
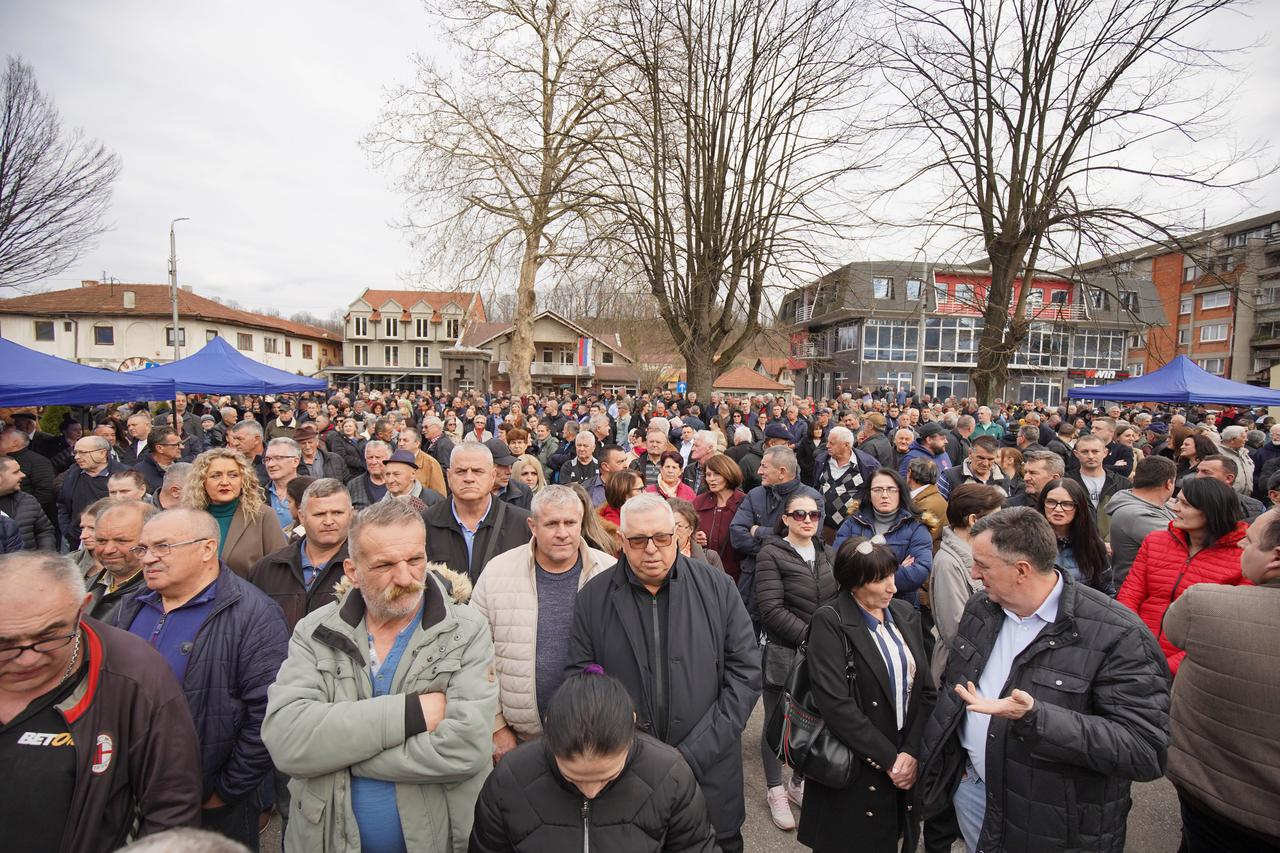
(127,326)
(1219,299)
(565,355)
(872,323)
(395,338)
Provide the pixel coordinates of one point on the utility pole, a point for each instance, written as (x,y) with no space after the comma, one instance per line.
(173,294)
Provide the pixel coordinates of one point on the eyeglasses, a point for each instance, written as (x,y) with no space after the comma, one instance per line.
(162,549)
(278,458)
(43,647)
(884,490)
(1062,505)
(661,540)
(804,515)
(864,547)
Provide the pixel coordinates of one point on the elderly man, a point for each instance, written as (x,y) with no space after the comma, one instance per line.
(247,438)
(430,473)
(1222,467)
(903,438)
(696,674)
(175,479)
(1224,750)
(842,475)
(95,739)
(34,525)
(527,596)
(224,640)
(987,426)
(1233,447)
(281,459)
(219,432)
(655,444)
(138,429)
(316,461)
(875,443)
(747,454)
(506,489)
(371,486)
(117,530)
(399,473)
(471,527)
(396,755)
(978,467)
(1059,700)
(163,449)
(1038,469)
(702,448)
(759,512)
(84,483)
(583,467)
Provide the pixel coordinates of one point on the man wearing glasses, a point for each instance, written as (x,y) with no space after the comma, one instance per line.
(93,730)
(84,483)
(663,624)
(163,449)
(224,639)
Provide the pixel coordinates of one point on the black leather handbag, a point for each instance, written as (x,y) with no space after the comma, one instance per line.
(797,734)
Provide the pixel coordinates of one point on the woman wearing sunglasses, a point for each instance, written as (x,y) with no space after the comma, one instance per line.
(1065,504)
(892,515)
(793,579)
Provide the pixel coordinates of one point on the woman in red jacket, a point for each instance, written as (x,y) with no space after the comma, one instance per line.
(716,507)
(1202,545)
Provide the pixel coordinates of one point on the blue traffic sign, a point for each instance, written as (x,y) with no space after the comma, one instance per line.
(681,387)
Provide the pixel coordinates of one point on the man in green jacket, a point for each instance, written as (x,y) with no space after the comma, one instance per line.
(383,710)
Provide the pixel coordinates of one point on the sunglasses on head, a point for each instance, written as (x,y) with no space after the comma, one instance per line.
(804,515)
(865,546)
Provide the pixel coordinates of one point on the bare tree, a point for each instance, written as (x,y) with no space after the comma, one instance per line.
(54,186)
(1034,120)
(497,149)
(729,127)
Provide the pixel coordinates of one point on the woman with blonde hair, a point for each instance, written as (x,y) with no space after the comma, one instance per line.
(593,528)
(223,483)
(528,470)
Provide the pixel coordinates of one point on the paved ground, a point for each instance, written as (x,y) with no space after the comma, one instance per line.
(1153,823)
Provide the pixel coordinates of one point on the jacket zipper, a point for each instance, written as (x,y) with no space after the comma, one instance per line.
(586,826)
(659,674)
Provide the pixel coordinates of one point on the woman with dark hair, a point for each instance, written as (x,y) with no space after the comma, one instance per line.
(793,579)
(875,699)
(686,531)
(807,450)
(892,515)
(1202,545)
(716,507)
(592,782)
(621,487)
(669,485)
(1081,551)
(1193,449)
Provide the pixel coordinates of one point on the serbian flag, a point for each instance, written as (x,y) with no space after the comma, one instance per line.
(584,352)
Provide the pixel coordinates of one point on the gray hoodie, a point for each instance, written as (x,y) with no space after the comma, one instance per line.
(1132,518)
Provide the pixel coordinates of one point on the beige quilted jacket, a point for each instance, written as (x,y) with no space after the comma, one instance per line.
(507,595)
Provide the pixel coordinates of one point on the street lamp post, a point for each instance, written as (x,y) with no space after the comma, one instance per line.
(173,294)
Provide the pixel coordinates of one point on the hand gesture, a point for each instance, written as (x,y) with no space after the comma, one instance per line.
(1013,707)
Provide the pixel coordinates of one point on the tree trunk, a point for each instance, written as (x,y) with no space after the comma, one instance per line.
(699,364)
(999,338)
(521,359)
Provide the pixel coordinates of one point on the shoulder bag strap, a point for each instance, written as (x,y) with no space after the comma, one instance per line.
(491,543)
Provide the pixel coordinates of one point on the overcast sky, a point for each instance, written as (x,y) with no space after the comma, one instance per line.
(246,117)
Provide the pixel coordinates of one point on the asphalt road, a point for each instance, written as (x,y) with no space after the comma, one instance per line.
(1153,823)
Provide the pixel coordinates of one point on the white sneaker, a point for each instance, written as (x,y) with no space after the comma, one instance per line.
(795,791)
(780,809)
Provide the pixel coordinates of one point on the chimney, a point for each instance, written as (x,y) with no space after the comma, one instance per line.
(130,300)
(88,282)
(186,287)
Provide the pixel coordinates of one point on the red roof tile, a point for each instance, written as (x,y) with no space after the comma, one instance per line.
(746,379)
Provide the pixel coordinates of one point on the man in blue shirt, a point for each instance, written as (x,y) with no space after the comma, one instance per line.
(282,458)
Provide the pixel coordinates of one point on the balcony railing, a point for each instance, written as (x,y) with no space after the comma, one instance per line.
(542,369)
(1049,312)
(804,313)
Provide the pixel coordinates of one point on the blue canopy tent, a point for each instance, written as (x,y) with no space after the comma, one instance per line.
(219,368)
(1179,381)
(33,378)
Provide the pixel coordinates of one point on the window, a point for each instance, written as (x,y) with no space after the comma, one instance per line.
(1138,340)
(244,342)
(898,380)
(104,335)
(391,327)
(1092,349)
(1211,365)
(964,294)
(182,336)
(288,348)
(270,344)
(1099,299)
(421,355)
(1040,389)
(451,328)
(546,356)
(1136,368)
(915,289)
(940,386)
(1213,332)
(952,340)
(1190,272)
(361,354)
(1184,305)
(1035,298)
(1129,300)
(210,334)
(361,327)
(422,327)
(306,351)
(940,293)
(1045,346)
(391,356)
(568,356)
(44,330)
(1261,363)
(1217,299)
(846,338)
(1271,295)
(881,287)
(1058,297)
(1184,337)
(606,357)
(890,340)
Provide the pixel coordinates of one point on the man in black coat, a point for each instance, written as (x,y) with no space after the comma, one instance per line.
(33,524)
(1062,700)
(84,483)
(662,624)
(472,526)
(435,441)
(38,481)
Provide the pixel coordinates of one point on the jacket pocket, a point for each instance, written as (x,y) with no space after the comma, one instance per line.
(1061,688)
(310,805)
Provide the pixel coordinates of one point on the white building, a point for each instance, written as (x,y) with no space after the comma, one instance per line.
(126,326)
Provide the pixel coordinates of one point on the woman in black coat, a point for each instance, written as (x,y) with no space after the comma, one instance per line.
(863,702)
(591,782)
(793,579)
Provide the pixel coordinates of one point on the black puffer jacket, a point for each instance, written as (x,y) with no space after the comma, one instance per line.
(1058,779)
(36,528)
(788,591)
(654,805)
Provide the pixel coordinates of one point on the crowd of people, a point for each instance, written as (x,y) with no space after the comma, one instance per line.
(415,621)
